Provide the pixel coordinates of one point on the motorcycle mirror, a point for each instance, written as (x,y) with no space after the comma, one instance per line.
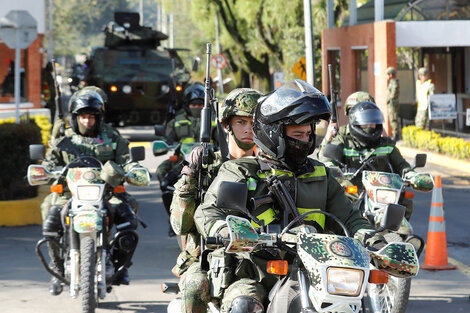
(37,152)
(420,160)
(393,216)
(233,196)
(137,154)
(334,152)
(159,130)
(38,175)
(159,147)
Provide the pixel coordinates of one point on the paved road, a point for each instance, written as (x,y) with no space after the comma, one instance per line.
(24,284)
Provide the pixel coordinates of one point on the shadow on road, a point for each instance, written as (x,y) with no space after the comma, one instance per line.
(135,306)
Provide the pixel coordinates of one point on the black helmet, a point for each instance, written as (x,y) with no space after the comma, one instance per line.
(364,113)
(86,101)
(194,94)
(295,103)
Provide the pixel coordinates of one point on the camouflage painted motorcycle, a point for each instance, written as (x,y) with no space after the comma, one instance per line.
(84,246)
(332,272)
(381,189)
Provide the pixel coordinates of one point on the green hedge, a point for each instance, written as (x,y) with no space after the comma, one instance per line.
(418,138)
(14,159)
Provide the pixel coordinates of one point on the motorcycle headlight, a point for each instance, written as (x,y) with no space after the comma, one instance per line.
(344,282)
(387,196)
(88,193)
(126,89)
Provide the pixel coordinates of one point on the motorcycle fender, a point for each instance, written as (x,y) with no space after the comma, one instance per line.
(87,222)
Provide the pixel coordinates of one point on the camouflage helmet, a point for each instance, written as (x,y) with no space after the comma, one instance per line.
(239,102)
(423,71)
(391,70)
(355,98)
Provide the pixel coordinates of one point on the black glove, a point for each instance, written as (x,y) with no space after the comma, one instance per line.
(195,161)
(368,239)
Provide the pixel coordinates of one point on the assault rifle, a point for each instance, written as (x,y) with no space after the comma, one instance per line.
(205,134)
(58,102)
(282,196)
(334,100)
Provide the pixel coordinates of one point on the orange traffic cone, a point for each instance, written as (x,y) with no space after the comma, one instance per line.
(436,248)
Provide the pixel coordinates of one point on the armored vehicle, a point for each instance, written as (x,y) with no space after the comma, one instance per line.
(140,79)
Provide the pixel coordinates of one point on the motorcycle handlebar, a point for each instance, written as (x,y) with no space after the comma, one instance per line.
(214,241)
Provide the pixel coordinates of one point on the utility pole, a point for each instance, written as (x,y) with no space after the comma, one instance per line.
(172,34)
(141,12)
(309,42)
(50,47)
(217,43)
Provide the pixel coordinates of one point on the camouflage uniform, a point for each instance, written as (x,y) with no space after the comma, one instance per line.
(183,206)
(423,90)
(393,93)
(354,152)
(183,128)
(245,274)
(352,100)
(239,102)
(108,145)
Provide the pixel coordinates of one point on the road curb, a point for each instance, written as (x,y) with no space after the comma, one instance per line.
(437,159)
(23,212)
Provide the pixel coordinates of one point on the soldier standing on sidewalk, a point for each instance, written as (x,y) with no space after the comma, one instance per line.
(393,92)
(424,88)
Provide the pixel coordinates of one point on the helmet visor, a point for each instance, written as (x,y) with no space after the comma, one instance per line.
(367,117)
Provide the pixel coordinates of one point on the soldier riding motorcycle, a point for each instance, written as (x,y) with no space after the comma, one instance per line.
(284,131)
(374,174)
(87,145)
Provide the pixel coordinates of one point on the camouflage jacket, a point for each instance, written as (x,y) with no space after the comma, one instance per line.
(314,189)
(108,145)
(183,128)
(354,153)
(185,199)
(393,91)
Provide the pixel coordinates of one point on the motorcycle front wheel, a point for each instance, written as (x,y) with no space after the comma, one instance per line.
(87,274)
(391,297)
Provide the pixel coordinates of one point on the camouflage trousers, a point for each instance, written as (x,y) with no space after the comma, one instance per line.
(393,109)
(421,119)
(191,251)
(197,291)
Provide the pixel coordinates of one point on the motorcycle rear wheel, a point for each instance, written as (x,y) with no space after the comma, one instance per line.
(391,297)
(87,274)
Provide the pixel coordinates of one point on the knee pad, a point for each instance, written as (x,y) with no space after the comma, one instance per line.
(195,292)
(246,304)
(52,226)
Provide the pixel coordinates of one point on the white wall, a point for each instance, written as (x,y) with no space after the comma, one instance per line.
(35,7)
(433,34)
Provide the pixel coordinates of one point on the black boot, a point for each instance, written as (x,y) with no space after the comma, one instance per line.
(123,278)
(52,228)
(57,266)
(56,287)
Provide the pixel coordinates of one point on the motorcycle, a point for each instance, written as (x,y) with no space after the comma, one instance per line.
(379,190)
(331,272)
(87,222)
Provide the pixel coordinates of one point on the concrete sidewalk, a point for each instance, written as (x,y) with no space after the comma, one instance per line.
(454,172)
